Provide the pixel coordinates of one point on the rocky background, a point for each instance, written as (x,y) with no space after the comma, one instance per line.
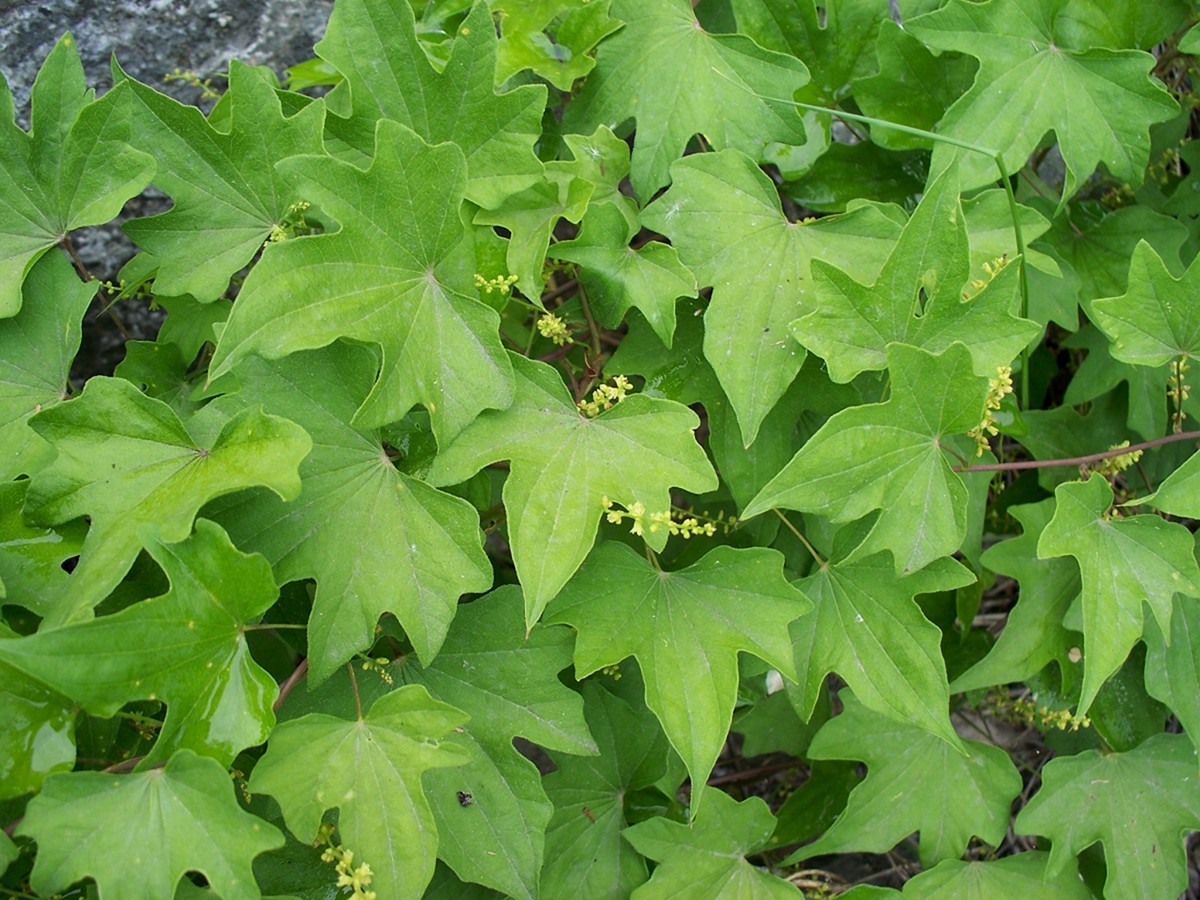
(150,39)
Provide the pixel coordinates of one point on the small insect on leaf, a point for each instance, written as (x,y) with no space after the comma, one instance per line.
(464,799)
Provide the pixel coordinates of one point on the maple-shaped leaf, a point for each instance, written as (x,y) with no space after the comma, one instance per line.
(1124,562)
(368,769)
(398,274)
(73,168)
(32,556)
(1034,634)
(618,277)
(186,648)
(425,548)
(1137,804)
(585,855)
(1179,493)
(1099,103)
(676,80)
(508,684)
(707,858)
(602,158)
(917,298)
(37,730)
(723,215)
(178,819)
(530,217)
(228,196)
(126,460)
(1173,665)
(915,782)
(1099,374)
(39,345)
(868,629)
(577,26)
(633,453)
(685,629)
(1020,875)
(889,457)
(373,44)
(1158,318)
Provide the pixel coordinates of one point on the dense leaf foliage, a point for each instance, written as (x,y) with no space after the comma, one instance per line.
(612,448)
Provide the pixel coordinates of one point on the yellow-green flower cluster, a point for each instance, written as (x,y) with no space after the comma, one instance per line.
(293,223)
(990,270)
(356,878)
(605,397)
(675,521)
(1114,464)
(379,666)
(998,388)
(501,283)
(552,327)
(1025,713)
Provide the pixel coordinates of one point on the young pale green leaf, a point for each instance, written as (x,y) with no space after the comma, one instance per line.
(1034,635)
(186,649)
(585,855)
(509,686)
(138,834)
(917,299)
(706,860)
(39,344)
(1157,319)
(915,782)
(1021,875)
(1136,804)
(722,214)
(633,453)
(1124,563)
(685,629)
(397,274)
(1173,665)
(73,168)
(228,196)
(578,26)
(1179,494)
(1099,103)
(889,457)
(618,277)
(423,551)
(368,769)
(676,80)
(869,630)
(126,460)
(373,44)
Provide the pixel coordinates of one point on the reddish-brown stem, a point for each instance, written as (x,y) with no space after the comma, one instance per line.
(291,681)
(1079,460)
(354,687)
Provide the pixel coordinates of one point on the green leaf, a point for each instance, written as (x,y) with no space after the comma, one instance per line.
(126,460)
(1157,319)
(676,80)
(8,851)
(424,550)
(1124,562)
(186,648)
(1091,797)
(1034,634)
(1173,665)
(1100,374)
(373,44)
(868,629)
(1020,875)
(633,453)
(722,214)
(706,859)
(1179,494)
(1030,76)
(370,770)
(889,457)
(32,557)
(685,629)
(917,299)
(182,818)
(397,274)
(618,277)
(73,168)
(228,196)
(578,26)
(586,856)
(39,344)
(915,782)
